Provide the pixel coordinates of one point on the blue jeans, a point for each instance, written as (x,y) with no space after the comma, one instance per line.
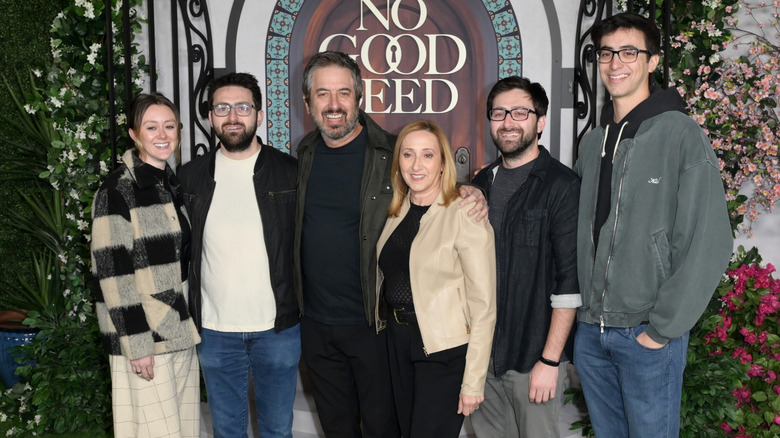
(631,390)
(226,359)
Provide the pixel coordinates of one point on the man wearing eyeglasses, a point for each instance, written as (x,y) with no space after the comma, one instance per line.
(241,201)
(533,210)
(653,239)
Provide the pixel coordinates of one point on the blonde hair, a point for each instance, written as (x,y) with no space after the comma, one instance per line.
(449,188)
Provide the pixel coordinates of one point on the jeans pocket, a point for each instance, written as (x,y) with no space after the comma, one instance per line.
(637,330)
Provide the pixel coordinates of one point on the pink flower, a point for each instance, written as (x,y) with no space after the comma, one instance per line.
(755,371)
(749,336)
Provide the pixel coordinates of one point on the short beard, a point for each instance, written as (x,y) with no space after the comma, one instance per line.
(239,145)
(349,126)
(520,146)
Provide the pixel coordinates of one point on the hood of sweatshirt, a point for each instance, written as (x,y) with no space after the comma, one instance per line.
(660,101)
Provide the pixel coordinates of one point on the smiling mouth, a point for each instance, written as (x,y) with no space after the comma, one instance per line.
(333,117)
(509,134)
(161,145)
(617,77)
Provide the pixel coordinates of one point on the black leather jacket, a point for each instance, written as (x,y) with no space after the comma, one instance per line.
(274,179)
(537,249)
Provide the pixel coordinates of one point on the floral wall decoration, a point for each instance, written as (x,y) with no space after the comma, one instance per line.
(66,388)
(725,63)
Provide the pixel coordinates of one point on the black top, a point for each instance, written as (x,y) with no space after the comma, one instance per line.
(330,239)
(394,259)
(186,234)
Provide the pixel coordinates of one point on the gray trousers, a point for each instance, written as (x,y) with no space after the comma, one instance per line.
(507,412)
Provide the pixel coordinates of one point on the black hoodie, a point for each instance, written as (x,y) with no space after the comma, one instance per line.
(660,101)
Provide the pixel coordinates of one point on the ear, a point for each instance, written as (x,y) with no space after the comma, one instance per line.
(653,63)
(540,124)
(306,105)
(260,116)
(132,135)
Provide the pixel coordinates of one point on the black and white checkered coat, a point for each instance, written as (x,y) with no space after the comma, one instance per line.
(136,252)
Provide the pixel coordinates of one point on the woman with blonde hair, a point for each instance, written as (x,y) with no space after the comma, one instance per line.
(436,284)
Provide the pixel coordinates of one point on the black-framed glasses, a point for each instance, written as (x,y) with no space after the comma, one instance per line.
(626,56)
(518,114)
(223,109)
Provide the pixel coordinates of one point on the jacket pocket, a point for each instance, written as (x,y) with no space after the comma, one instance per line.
(448,314)
(531,222)
(662,254)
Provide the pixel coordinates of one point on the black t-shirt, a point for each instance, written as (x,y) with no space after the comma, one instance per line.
(330,242)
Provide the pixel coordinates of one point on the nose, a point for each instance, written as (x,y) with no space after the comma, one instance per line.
(333,102)
(615,62)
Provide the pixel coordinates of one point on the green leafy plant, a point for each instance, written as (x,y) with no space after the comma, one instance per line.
(746,330)
(66,121)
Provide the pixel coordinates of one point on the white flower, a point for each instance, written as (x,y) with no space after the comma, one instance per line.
(82,317)
(91,58)
(38,419)
(66,292)
(63,90)
(37,73)
(56,102)
(714,58)
(139,82)
(70,216)
(3,417)
(29,109)
(89,11)
(82,224)
(103,167)
(74,194)
(71,71)
(12,431)
(689,47)
(120,119)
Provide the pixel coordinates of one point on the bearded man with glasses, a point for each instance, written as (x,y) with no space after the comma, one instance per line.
(241,201)
(533,209)
(653,239)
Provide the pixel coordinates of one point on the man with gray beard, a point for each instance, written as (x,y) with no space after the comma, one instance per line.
(533,201)
(241,201)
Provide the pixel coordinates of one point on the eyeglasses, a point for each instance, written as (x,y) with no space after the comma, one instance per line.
(223,109)
(625,56)
(518,114)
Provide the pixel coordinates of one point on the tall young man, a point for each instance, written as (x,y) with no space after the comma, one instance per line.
(343,194)
(653,239)
(241,201)
(533,209)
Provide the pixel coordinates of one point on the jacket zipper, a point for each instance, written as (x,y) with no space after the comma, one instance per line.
(612,241)
(272,194)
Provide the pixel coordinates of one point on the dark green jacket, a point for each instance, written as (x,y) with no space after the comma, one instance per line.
(375,195)
(667,239)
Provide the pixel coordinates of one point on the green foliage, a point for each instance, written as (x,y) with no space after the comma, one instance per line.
(63,115)
(575,396)
(25,45)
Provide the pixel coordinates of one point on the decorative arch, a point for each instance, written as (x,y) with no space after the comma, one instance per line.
(278,70)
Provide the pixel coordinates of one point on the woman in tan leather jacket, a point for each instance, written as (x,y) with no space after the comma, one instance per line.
(436,278)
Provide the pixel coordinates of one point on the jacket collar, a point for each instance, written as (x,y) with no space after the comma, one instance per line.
(142,173)
(258,162)
(539,168)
